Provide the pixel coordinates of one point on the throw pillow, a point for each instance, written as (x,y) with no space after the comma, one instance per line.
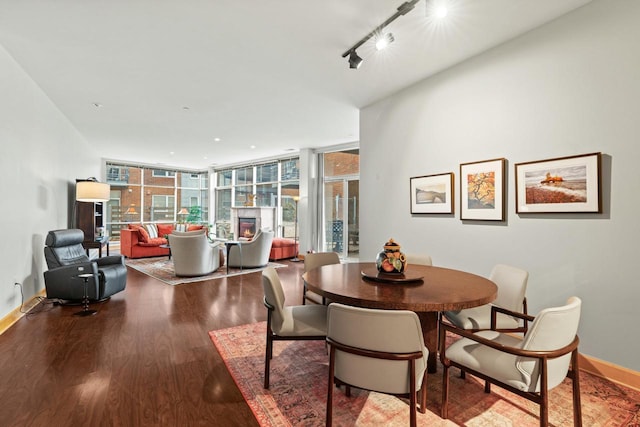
(194,227)
(164,229)
(144,235)
(152,229)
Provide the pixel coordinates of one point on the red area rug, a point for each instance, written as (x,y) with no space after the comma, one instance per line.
(297,396)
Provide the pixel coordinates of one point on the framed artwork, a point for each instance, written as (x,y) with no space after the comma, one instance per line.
(482,190)
(565,184)
(432,194)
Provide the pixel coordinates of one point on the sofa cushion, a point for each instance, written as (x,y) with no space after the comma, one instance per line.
(279,242)
(154,242)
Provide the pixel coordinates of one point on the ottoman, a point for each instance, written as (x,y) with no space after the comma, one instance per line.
(282,248)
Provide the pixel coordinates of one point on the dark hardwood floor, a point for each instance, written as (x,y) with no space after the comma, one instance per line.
(144,360)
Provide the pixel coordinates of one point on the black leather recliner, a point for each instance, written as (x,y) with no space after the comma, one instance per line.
(66,259)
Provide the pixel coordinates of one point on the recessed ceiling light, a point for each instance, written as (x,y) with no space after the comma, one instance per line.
(97,105)
(252,147)
(216,139)
(185,108)
(441,12)
(172,152)
(291,149)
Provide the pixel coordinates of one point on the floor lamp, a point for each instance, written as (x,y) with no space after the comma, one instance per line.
(295,231)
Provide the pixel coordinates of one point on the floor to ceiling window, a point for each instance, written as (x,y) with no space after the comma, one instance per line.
(340,208)
(272,183)
(141,194)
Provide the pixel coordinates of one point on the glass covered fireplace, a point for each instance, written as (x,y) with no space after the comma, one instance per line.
(246,227)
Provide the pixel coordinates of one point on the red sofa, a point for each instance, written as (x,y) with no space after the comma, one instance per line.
(131,245)
(134,244)
(283,248)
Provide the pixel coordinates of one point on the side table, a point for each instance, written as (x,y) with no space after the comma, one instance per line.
(97,244)
(85,298)
(167,247)
(229,244)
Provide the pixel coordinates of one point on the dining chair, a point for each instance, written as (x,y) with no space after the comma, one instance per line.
(512,286)
(302,322)
(528,367)
(377,350)
(418,259)
(314,260)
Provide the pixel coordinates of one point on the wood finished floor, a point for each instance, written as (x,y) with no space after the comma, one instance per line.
(144,360)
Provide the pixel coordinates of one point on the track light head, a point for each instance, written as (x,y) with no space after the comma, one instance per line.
(354,60)
(384,40)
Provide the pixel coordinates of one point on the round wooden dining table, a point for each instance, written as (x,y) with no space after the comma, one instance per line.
(426,290)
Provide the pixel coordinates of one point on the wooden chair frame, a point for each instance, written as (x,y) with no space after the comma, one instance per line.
(542,397)
(524,316)
(409,357)
(494,318)
(271,337)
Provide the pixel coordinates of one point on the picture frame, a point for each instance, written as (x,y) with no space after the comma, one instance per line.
(432,194)
(560,185)
(482,190)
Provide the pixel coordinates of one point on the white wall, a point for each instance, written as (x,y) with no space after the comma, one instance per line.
(41,156)
(570,87)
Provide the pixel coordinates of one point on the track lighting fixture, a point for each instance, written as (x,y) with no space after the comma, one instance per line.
(403,9)
(354,60)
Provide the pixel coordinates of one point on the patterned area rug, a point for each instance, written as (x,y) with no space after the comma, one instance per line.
(297,395)
(161,268)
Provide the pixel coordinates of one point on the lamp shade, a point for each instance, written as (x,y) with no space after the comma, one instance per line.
(131,210)
(183,211)
(92,191)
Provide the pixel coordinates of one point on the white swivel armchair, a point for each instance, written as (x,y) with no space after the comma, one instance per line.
(193,254)
(529,367)
(315,260)
(512,286)
(301,322)
(378,350)
(253,253)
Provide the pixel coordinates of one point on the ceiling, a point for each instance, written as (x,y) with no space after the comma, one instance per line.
(160,81)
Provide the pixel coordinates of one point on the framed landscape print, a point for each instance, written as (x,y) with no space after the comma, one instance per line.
(432,194)
(565,184)
(482,190)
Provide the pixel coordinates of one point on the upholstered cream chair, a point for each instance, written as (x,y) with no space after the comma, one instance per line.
(315,260)
(512,286)
(419,259)
(378,350)
(529,367)
(302,322)
(193,254)
(253,253)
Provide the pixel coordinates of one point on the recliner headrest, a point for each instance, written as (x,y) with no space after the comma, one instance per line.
(60,238)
